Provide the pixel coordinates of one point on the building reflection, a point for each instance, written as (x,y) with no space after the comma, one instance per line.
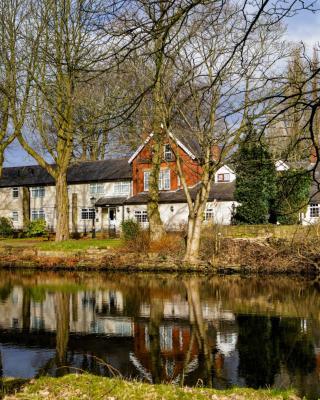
(185,334)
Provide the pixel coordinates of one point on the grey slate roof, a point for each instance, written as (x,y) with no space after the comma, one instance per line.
(79,172)
(219,191)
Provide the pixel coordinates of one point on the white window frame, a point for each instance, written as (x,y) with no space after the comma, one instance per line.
(141,216)
(122,187)
(15,216)
(164,182)
(38,192)
(96,188)
(164,179)
(314,210)
(88,213)
(15,192)
(37,213)
(167,152)
(209,214)
(225,177)
(146,176)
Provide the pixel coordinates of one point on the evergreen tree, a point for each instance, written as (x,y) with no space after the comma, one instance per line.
(293,190)
(255,183)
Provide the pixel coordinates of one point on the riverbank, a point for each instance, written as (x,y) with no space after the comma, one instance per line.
(88,386)
(243,249)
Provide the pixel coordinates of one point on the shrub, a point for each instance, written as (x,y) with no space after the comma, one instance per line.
(170,243)
(130,229)
(36,228)
(6,227)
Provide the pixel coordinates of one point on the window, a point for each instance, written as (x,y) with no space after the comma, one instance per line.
(122,188)
(224,177)
(15,216)
(15,192)
(88,213)
(146,176)
(208,214)
(164,180)
(96,188)
(168,154)
(314,210)
(141,216)
(37,191)
(37,213)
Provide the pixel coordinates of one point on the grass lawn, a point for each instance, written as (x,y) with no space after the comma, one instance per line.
(90,387)
(71,244)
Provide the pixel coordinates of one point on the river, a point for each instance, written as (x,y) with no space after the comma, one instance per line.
(214,331)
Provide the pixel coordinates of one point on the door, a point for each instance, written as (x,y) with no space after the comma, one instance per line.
(112,221)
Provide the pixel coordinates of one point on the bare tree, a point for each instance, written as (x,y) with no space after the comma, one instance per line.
(75,47)
(18,55)
(231,64)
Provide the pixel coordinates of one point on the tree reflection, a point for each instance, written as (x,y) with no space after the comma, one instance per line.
(26,312)
(62,330)
(156,316)
(201,329)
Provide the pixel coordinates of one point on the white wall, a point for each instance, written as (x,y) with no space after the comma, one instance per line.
(225,170)
(47,203)
(306,219)
(175,215)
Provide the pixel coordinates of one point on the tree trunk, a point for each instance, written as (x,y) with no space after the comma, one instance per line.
(62,203)
(155,223)
(25,206)
(193,238)
(1,160)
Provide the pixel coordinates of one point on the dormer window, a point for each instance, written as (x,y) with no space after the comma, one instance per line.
(224,177)
(168,154)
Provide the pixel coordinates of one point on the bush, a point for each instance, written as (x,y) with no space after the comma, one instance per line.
(36,228)
(6,227)
(130,229)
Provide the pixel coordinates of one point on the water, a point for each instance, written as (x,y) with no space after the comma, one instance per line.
(214,331)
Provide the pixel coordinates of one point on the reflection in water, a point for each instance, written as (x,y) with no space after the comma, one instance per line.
(221,331)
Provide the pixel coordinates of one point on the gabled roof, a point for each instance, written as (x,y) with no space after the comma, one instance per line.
(186,143)
(218,191)
(79,172)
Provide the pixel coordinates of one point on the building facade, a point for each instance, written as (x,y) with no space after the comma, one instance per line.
(104,193)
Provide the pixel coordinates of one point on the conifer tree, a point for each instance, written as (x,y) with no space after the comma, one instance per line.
(293,191)
(256,181)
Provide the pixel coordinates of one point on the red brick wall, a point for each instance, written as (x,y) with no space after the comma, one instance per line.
(143,163)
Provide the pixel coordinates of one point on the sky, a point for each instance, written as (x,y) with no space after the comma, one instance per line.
(305,26)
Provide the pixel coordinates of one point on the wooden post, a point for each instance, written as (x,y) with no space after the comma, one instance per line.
(25,206)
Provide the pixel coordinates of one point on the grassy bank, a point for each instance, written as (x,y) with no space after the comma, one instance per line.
(72,387)
(68,245)
(255,248)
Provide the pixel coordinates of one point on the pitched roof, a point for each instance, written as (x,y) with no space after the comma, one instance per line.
(185,140)
(110,201)
(79,172)
(218,191)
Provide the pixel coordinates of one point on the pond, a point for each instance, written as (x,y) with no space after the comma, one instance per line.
(215,331)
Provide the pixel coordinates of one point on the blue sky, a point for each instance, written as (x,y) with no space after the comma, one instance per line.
(305,26)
